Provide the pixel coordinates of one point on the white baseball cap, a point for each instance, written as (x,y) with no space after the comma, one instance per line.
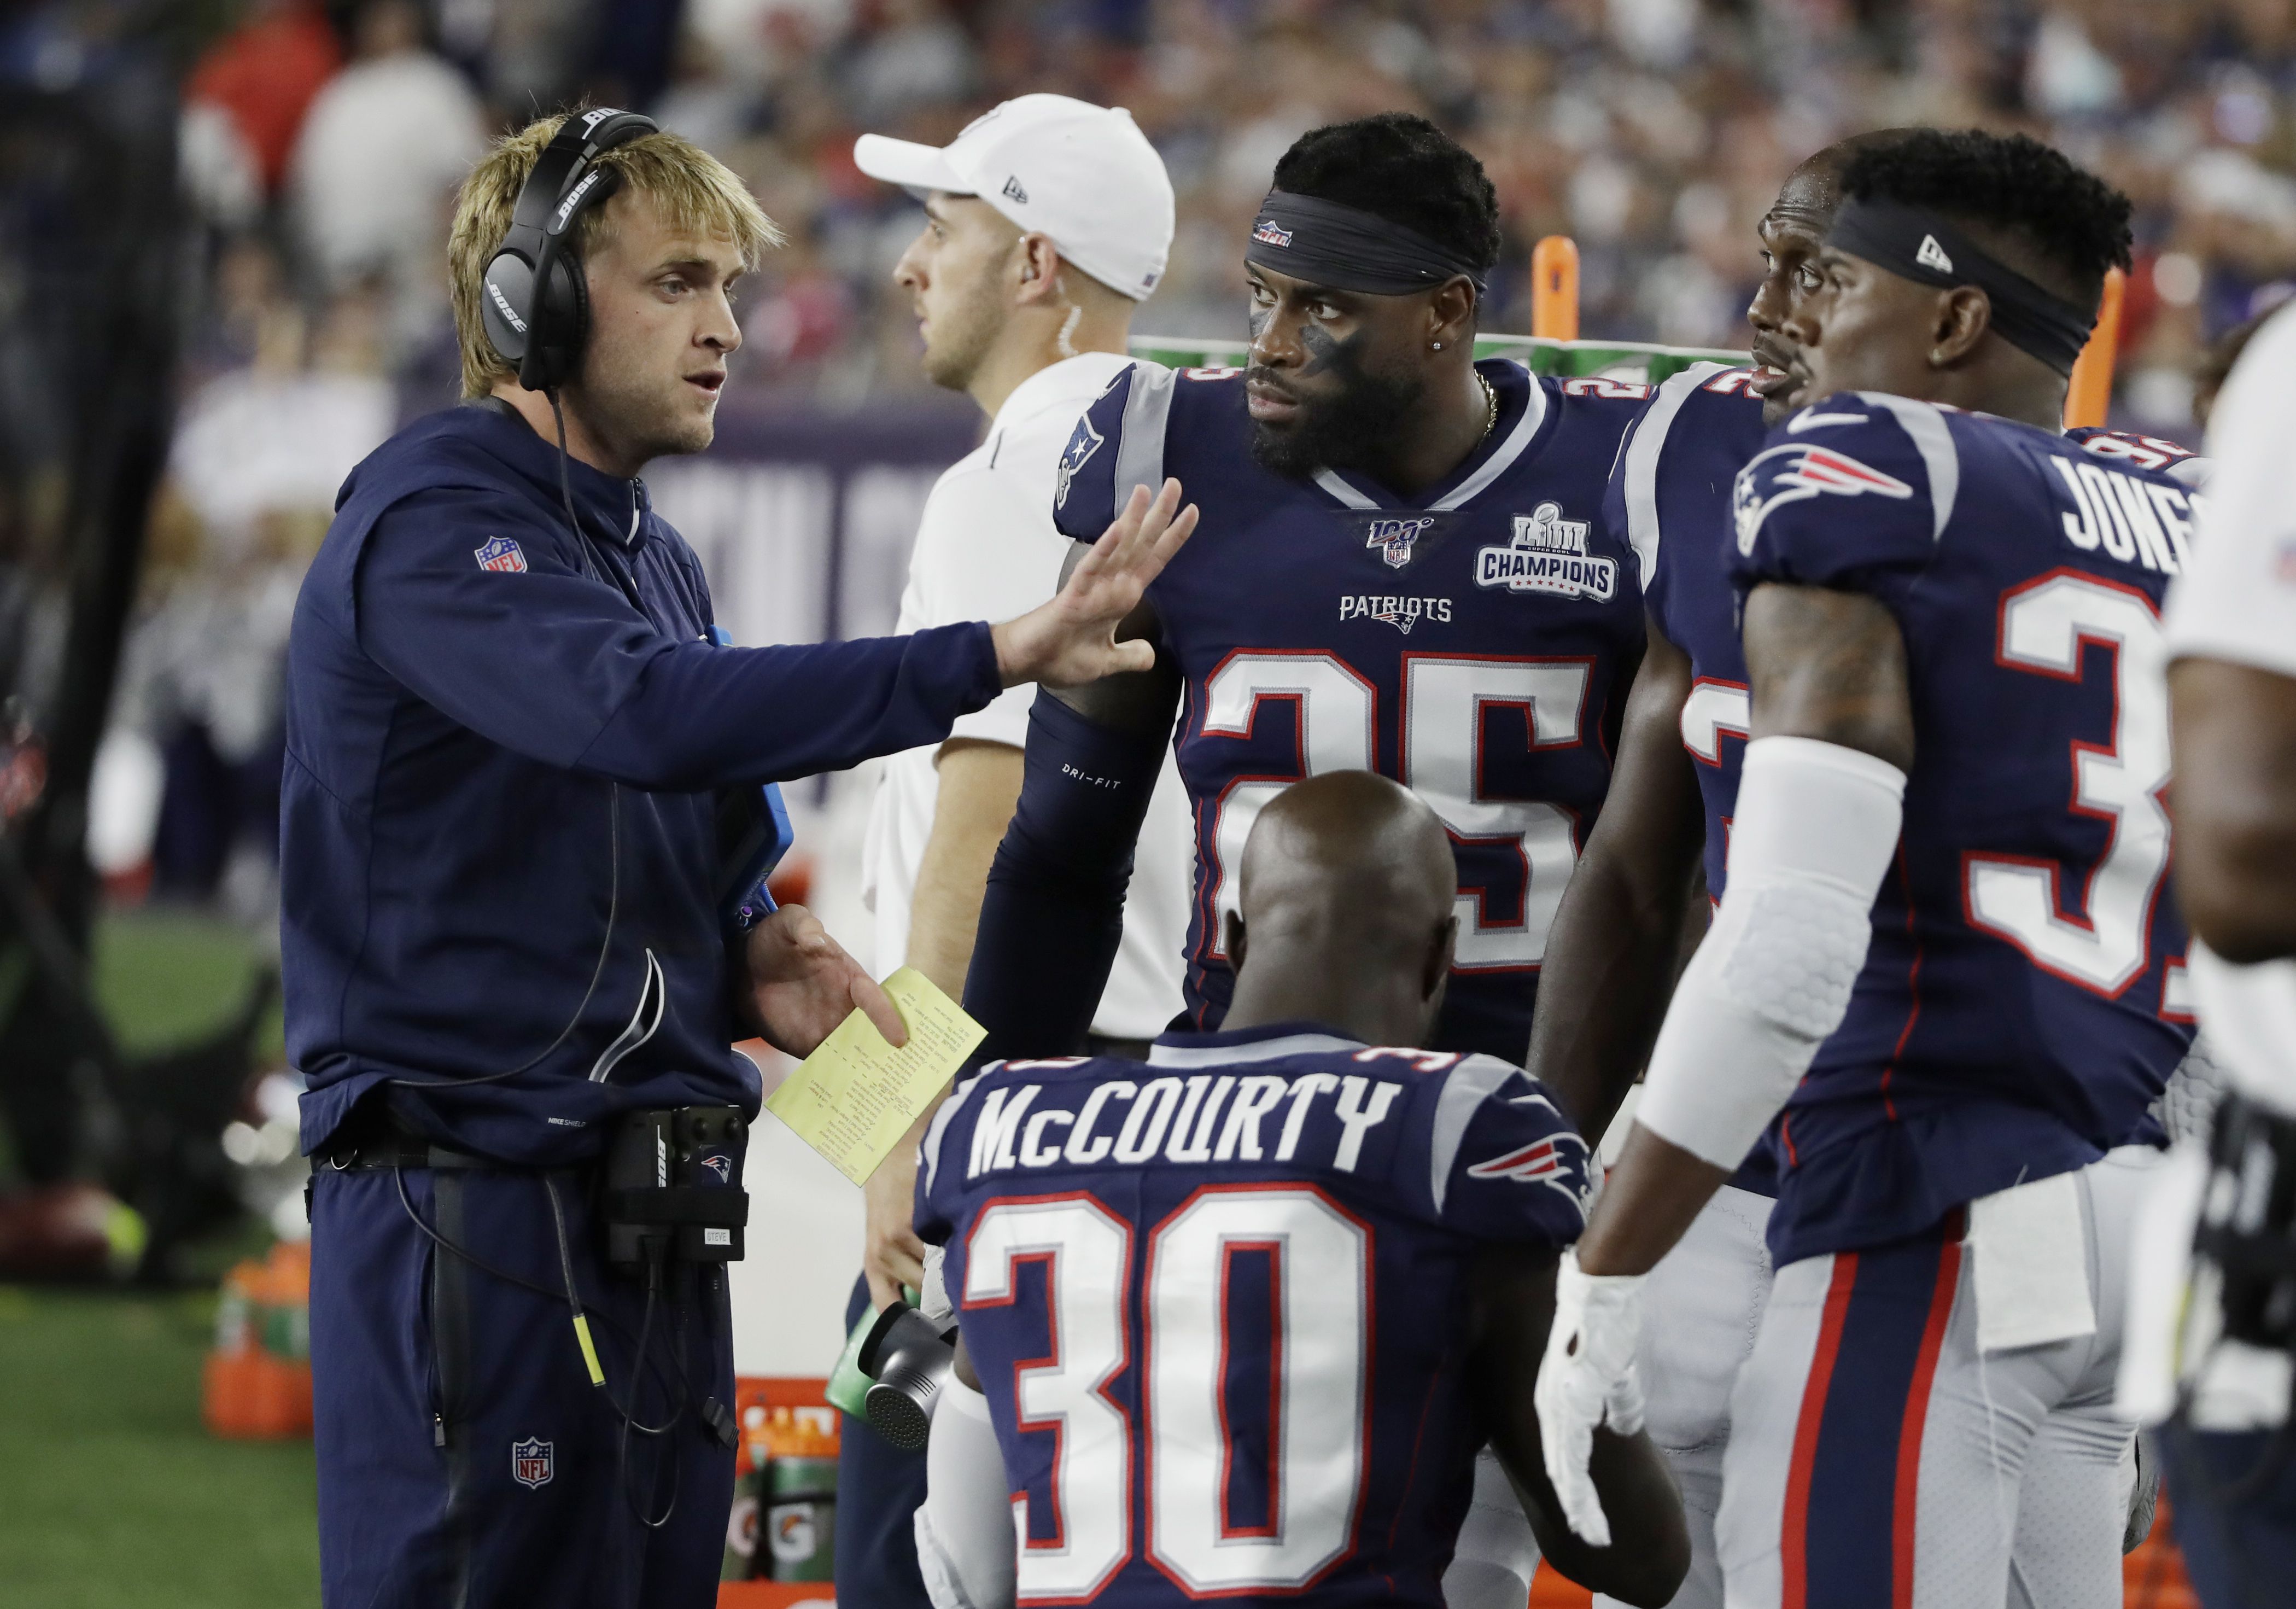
(1083,175)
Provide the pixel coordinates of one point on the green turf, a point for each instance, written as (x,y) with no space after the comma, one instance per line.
(171,977)
(111,1493)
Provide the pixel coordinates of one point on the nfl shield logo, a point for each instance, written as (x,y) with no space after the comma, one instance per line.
(531,1463)
(500,553)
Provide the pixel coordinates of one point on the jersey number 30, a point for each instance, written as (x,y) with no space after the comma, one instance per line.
(2044,626)
(1310,1431)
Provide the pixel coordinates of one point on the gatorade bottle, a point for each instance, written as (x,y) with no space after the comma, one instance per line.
(798,1533)
(226,1380)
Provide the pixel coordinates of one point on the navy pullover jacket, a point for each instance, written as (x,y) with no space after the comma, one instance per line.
(467,683)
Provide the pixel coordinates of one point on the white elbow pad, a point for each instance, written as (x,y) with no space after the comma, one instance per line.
(1816,827)
(964,1530)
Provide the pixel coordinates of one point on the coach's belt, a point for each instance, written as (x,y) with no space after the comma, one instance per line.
(372,1137)
(394,1151)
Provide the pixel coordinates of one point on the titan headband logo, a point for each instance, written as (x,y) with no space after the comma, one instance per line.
(503,303)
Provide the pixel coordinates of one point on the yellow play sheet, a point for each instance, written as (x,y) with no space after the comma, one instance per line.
(854,1096)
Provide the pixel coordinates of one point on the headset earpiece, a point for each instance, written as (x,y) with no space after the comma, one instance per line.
(535,302)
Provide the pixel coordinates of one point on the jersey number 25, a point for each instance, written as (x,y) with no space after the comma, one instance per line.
(1446,698)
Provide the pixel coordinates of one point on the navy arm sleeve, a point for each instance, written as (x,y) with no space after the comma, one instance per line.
(558,665)
(1053,915)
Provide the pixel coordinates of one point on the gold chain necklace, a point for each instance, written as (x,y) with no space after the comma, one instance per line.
(1490,405)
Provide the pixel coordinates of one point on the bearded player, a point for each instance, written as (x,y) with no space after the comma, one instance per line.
(1405,576)
(1951,617)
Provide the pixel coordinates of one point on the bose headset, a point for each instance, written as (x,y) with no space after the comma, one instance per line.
(536,304)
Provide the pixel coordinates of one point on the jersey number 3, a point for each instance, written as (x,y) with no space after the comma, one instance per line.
(1446,698)
(1214,1526)
(2044,626)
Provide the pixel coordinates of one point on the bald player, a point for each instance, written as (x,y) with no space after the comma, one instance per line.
(1244,1316)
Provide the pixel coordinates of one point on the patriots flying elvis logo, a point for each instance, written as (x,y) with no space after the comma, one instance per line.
(1797,470)
(500,554)
(1558,1162)
(1084,441)
(722,1166)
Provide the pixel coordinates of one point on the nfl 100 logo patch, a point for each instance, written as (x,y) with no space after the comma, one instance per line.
(530,1462)
(1548,554)
(500,554)
(1396,537)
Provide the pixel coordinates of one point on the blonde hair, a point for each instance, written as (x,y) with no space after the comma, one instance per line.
(696,193)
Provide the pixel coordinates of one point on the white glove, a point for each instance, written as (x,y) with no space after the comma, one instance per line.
(1587,1378)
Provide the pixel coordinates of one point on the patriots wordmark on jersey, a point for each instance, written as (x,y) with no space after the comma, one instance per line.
(2023,1000)
(1219,1304)
(1471,643)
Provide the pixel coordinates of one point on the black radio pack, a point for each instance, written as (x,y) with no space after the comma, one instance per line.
(671,1194)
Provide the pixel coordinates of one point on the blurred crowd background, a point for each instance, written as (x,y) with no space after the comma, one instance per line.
(320,143)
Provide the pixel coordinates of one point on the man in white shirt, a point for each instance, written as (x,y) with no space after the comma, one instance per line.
(2231,626)
(1048,221)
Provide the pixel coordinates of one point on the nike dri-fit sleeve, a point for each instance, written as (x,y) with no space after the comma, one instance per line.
(558,665)
(1851,493)
(985,551)
(2236,600)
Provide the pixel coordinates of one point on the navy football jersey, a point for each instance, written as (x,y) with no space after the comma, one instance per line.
(1673,482)
(1218,1304)
(1468,644)
(1669,501)
(2022,1001)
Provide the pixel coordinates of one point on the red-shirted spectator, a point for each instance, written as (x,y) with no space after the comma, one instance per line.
(265,74)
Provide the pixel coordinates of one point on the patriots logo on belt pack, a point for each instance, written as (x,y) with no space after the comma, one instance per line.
(1797,470)
(722,1166)
(1084,441)
(500,554)
(1558,1162)
(1394,538)
(530,1462)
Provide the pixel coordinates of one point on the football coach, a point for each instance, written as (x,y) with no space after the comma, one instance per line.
(512,981)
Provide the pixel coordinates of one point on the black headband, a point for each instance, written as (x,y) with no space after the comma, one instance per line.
(1330,243)
(1917,244)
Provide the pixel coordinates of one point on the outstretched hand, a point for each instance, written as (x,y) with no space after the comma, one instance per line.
(801,983)
(1072,639)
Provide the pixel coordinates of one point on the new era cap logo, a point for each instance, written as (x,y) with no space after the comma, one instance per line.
(1012,188)
(1932,256)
